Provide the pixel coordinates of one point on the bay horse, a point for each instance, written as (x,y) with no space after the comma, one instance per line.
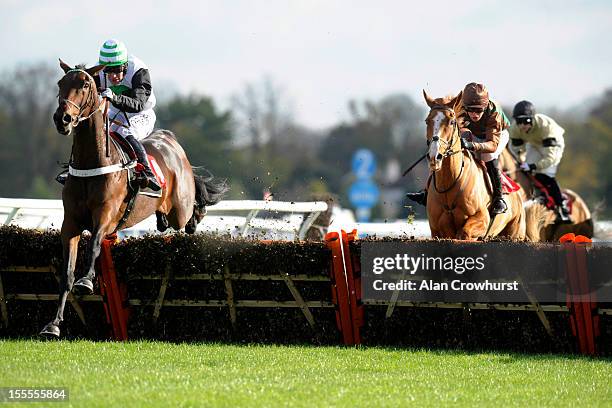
(457,198)
(582,219)
(96,198)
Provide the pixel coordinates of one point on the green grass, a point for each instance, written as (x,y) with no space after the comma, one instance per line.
(152,374)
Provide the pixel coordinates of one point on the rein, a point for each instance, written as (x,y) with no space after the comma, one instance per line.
(535,183)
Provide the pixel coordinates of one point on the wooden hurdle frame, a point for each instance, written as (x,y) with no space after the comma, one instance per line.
(584,313)
(345,285)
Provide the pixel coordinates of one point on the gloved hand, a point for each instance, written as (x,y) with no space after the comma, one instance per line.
(527,167)
(467,144)
(467,134)
(108,94)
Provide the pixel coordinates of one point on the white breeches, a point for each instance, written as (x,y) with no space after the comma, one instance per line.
(140,124)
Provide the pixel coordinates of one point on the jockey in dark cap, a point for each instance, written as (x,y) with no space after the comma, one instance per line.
(540,139)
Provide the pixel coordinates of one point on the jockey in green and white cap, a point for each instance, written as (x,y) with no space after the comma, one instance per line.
(113,53)
(126,83)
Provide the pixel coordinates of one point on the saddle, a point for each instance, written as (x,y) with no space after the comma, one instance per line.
(543,196)
(508,185)
(134,172)
(128,157)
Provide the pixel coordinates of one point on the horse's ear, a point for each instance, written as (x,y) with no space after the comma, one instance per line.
(93,71)
(64,66)
(428,99)
(455,103)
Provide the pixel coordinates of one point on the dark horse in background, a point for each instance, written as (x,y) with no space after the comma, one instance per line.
(582,218)
(97,203)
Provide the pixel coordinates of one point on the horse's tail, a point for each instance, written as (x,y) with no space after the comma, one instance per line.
(537,217)
(209,190)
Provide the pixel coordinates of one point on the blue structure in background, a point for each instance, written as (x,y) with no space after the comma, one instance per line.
(363,164)
(363,194)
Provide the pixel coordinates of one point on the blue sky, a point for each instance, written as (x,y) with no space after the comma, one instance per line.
(554,53)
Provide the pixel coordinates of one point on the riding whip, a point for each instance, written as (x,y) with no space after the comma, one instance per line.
(106,121)
(107,125)
(514,156)
(414,164)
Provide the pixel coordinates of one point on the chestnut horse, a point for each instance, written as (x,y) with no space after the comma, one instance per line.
(96,198)
(458,199)
(582,220)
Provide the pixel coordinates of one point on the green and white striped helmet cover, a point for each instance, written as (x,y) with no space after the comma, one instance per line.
(113,53)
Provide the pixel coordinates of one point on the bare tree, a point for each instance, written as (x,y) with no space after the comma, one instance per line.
(27,100)
(262,112)
(397,111)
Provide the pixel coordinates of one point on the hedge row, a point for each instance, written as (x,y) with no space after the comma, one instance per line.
(185,255)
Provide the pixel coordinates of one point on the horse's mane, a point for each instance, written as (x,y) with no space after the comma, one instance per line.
(444,100)
(80,66)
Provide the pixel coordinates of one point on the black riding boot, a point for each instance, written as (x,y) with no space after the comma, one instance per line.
(141,155)
(499,205)
(419,198)
(563,213)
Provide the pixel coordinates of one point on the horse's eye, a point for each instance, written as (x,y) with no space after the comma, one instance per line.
(86,85)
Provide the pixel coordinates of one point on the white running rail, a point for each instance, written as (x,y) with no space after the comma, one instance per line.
(286,218)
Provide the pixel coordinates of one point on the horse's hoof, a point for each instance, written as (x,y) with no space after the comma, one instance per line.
(191,226)
(162,221)
(83,286)
(50,331)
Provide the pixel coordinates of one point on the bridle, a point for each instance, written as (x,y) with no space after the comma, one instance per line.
(449,148)
(88,101)
(449,144)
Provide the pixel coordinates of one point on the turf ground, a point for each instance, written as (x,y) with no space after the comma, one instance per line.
(152,374)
